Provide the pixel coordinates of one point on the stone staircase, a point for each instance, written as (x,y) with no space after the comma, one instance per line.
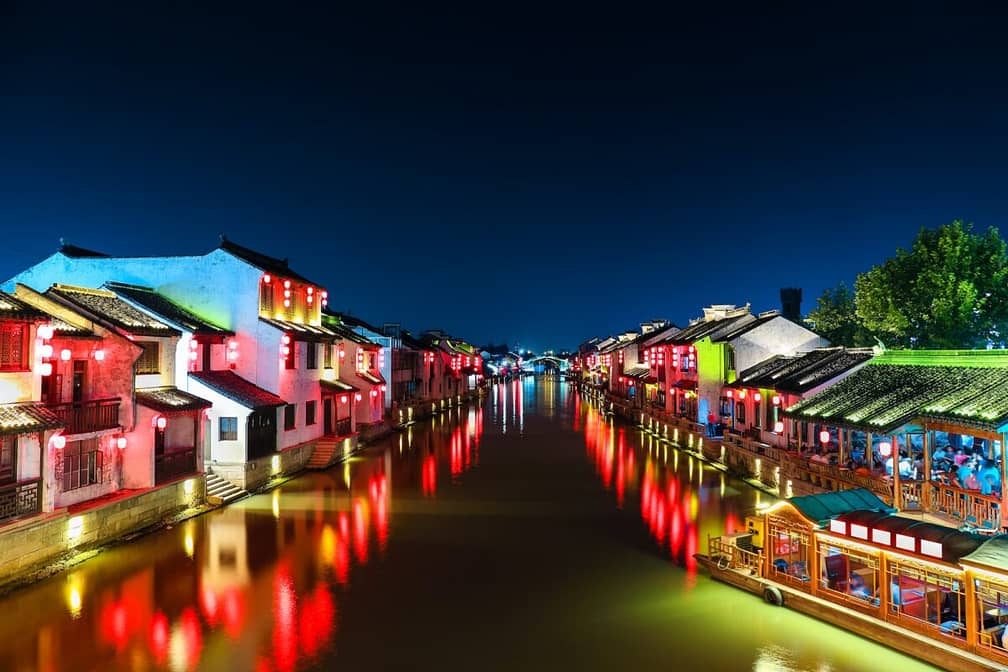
(327,451)
(221,491)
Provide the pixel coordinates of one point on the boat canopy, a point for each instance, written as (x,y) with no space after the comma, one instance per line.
(822,507)
(908,535)
(992,554)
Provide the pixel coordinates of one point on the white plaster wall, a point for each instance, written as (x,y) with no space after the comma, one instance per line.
(222,451)
(216,286)
(298,386)
(778,336)
(29,451)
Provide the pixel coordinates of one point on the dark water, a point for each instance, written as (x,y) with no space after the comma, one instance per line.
(528,533)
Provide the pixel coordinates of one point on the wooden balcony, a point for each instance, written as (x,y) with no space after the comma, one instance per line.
(88,416)
(20,499)
(174,464)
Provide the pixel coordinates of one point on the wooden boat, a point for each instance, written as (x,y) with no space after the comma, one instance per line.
(931,591)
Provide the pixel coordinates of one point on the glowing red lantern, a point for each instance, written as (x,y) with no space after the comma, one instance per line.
(741,394)
(121,442)
(358,396)
(45,369)
(778,427)
(99,355)
(266,278)
(824,436)
(65,354)
(161,422)
(45,332)
(729,393)
(756,396)
(776,400)
(344,399)
(59,441)
(885,448)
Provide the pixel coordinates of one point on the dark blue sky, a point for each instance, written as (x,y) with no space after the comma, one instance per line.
(506,173)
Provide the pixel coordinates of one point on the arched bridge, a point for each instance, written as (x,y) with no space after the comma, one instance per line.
(545,363)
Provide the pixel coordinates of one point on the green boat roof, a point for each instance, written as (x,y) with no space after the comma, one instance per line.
(993,554)
(822,507)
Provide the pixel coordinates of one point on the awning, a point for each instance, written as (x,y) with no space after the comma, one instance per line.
(370,377)
(27,417)
(170,399)
(337,386)
(234,387)
(639,371)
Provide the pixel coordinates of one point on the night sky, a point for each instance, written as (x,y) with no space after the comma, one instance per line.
(506,172)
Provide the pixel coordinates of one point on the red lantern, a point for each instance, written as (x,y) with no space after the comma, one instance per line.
(357,396)
(776,400)
(266,278)
(824,436)
(778,427)
(885,448)
(741,394)
(161,422)
(756,396)
(729,393)
(344,399)
(59,441)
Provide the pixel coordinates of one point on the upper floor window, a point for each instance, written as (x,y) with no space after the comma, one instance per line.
(312,356)
(13,346)
(266,296)
(327,355)
(290,413)
(731,357)
(150,360)
(310,407)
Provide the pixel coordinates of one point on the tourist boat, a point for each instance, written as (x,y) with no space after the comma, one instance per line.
(928,590)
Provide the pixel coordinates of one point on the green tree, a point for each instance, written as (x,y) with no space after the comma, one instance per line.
(835,318)
(950,290)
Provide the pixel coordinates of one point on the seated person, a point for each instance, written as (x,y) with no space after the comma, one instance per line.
(857,585)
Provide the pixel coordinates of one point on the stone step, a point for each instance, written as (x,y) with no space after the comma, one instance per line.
(221,491)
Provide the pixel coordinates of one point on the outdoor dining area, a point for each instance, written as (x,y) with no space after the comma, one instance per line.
(922,434)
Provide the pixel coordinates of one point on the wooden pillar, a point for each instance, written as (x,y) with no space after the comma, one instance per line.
(869,453)
(885,590)
(894,455)
(812,568)
(842,444)
(972,622)
(925,502)
(1004,486)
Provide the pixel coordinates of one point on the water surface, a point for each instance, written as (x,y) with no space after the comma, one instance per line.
(526,532)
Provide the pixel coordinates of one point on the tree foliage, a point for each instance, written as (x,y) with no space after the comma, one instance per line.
(950,290)
(835,318)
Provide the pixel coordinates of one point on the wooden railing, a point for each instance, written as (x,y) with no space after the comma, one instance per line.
(88,416)
(969,506)
(342,427)
(20,499)
(175,464)
(731,556)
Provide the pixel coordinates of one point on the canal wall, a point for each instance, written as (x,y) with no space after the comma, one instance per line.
(36,547)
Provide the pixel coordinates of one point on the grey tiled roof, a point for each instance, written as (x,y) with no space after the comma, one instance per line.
(27,417)
(234,387)
(166,308)
(800,373)
(105,306)
(170,399)
(14,308)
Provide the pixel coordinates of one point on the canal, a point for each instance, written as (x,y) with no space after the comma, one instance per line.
(525,533)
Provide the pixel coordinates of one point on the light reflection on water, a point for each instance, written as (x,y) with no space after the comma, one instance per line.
(526,532)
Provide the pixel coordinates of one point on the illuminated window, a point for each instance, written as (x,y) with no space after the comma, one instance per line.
(82,464)
(757,418)
(13,346)
(327,355)
(150,360)
(266,298)
(290,413)
(228,429)
(310,412)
